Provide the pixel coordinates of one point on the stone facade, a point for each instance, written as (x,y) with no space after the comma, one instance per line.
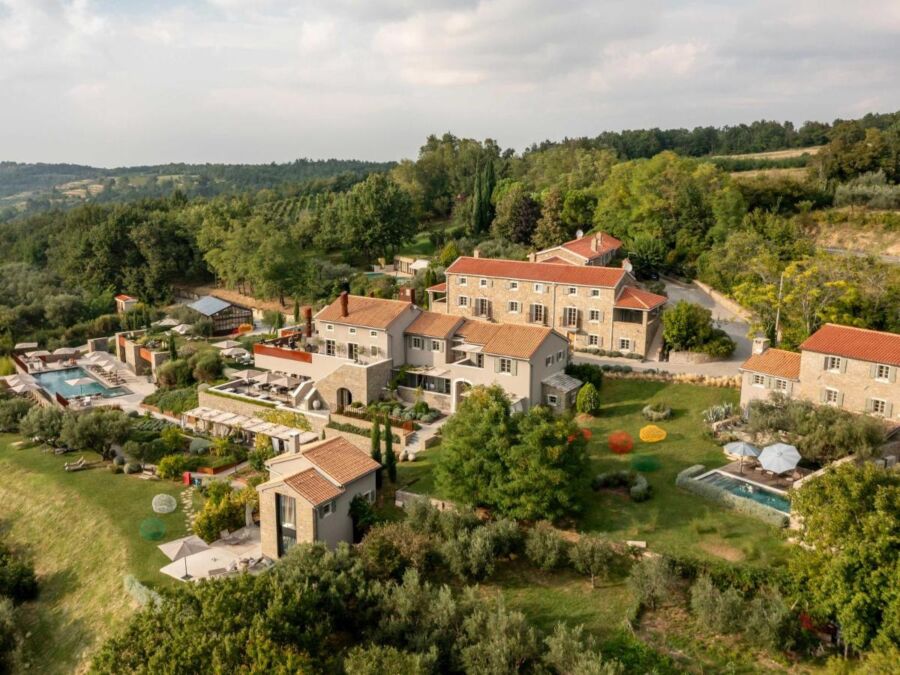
(853,385)
(759,386)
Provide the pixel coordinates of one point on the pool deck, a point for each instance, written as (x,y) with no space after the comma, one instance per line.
(754,474)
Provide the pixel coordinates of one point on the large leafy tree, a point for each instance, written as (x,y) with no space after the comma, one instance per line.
(847,563)
(517,213)
(551,230)
(377,215)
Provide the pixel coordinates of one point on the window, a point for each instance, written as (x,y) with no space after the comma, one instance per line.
(352,331)
(369,495)
(832,396)
(879,406)
(479,360)
(286,525)
(883,372)
(780,385)
(482,307)
(326,509)
(435,345)
(573,290)
(462,301)
(416,342)
(570,316)
(624,344)
(462,281)
(329,347)
(595,292)
(539,288)
(352,351)
(833,363)
(593,340)
(758,380)
(373,333)
(329,326)
(559,356)
(548,361)
(594,316)
(513,285)
(505,365)
(552,399)
(538,313)
(374,350)
(512,307)
(483,283)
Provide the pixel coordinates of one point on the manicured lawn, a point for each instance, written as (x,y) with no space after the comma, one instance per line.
(82,531)
(672,520)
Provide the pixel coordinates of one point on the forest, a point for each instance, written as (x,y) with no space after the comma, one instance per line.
(302,241)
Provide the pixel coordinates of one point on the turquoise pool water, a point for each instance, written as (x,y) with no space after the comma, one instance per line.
(748,490)
(55,383)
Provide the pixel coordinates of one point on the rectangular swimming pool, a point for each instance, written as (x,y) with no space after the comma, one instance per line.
(747,490)
(55,382)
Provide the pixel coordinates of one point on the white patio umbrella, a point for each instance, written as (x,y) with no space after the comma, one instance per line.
(65,351)
(741,449)
(25,387)
(248,374)
(226,344)
(79,382)
(266,378)
(235,352)
(37,353)
(779,457)
(180,548)
(168,322)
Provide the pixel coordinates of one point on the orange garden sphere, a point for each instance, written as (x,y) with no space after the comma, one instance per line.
(620,442)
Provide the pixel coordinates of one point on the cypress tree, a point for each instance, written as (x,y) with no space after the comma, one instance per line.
(390,459)
(488,181)
(296,311)
(173,350)
(477,208)
(376,450)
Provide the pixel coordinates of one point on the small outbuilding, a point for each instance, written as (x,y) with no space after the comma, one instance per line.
(226,316)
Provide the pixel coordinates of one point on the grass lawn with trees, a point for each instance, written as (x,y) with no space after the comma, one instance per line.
(82,531)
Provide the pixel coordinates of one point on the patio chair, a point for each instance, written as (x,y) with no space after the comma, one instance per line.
(217,572)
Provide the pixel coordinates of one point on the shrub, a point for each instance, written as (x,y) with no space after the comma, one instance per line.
(506,537)
(588,399)
(768,621)
(115,468)
(651,581)
(176,373)
(12,411)
(587,373)
(10,638)
(656,412)
(719,412)
(389,549)
(363,516)
(544,547)
(133,467)
(173,439)
(470,554)
(206,365)
(374,658)
(172,466)
(18,581)
(715,610)
(592,556)
(638,488)
(227,514)
(119,460)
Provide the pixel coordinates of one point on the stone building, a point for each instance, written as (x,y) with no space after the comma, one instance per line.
(226,316)
(308,494)
(594,307)
(596,248)
(850,368)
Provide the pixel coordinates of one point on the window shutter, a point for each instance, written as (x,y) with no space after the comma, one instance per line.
(825,363)
(873,370)
(840,399)
(513,366)
(496,365)
(892,374)
(888,409)
(767,382)
(870,405)
(789,387)
(843,365)
(823,395)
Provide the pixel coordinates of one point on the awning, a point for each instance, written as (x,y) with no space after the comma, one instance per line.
(471,349)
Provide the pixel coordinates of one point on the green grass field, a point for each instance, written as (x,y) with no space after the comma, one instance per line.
(82,531)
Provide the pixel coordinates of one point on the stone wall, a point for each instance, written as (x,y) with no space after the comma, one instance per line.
(206,399)
(726,302)
(442,402)
(691,357)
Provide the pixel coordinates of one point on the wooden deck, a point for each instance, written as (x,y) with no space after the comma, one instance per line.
(754,473)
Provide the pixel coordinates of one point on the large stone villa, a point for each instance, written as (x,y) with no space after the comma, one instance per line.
(851,368)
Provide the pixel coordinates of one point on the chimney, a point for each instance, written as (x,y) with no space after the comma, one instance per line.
(307,315)
(476,253)
(579,234)
(627,266)
(760,344)
(595,241)
(345,302)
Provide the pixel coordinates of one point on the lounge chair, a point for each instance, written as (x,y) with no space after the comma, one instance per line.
(217,572)
(76,466)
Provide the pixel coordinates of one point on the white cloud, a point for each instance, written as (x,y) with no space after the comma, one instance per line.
(124,82)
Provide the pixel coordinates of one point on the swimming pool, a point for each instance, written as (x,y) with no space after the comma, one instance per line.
(747,490)
(55,382)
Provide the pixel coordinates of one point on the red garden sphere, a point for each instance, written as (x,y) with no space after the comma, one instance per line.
(620,442)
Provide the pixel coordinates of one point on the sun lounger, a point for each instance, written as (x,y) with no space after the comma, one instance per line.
(219,571)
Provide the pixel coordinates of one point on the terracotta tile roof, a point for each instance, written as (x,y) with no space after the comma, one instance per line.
(122,296)
(583,248)
(438,288)
(777,362)
(855,343)
(432,324)
(363,311)
(503,339)
(313,487)
(547,272)
(635,298)
(555,260)
(340,459)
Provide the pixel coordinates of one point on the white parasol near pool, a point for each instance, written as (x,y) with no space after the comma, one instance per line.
(741,449)
(80,382)
(65,351)
(226,344)
(181,548)
(246,374)
(779,457)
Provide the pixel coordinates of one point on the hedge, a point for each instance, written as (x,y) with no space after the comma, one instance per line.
(686,480)
(242,399)
(638,487)
(353,429)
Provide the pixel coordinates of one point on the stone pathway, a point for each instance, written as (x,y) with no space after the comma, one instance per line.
(187,505)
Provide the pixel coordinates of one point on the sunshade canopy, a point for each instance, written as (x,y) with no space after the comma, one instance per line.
(741,449)
(779,457)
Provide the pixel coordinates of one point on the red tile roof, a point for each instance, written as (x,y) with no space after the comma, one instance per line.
(364,311)
(432,324)
(438,288)
(546,272)
(122,296)
(504,339)
(635,298)
(777,362)
(313,487)
(555,260)
(340,459)
(583,248)
(855,343)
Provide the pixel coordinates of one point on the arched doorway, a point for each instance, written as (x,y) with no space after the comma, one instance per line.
(460,387)
(344,398)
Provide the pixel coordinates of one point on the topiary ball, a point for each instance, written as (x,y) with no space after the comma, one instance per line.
(152,529)
(163,503)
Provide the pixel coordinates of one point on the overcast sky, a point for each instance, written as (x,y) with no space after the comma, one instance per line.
(123,82)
